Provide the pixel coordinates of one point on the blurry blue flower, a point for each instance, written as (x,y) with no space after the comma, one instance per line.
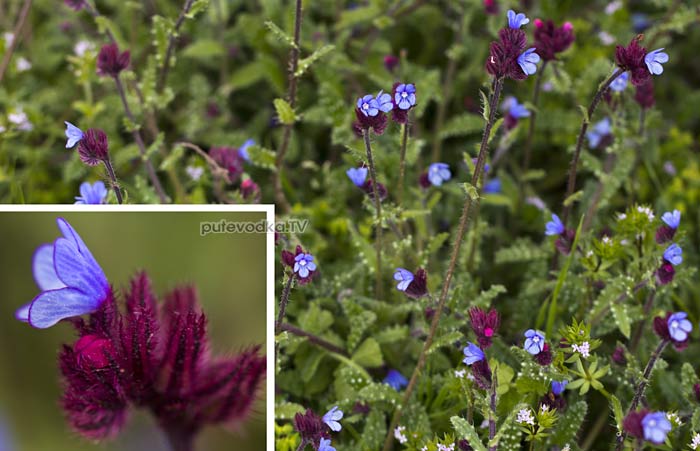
(599,131)
(672,219)
(384,102)
(640,22)
(534,341)
(558,387)
(656,426)
(516,21)
(332,418)
(405,96)
(620,83)
(304,264)
(395,380)
(325,445)
(674,254)
(679,327)
(243,150)
(654,61)
(511,106)
(92,194)
(493,186)
(554,227)
(368,105)
(71,281)
(74,135)
(487,167)
(195,172)
(472,354)
(404,277)
(528,61)
(357,175)
(439,173)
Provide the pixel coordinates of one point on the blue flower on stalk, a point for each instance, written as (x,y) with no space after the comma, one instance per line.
(74,135)
(243,150)
(679,327)
(600,130)
(384,102)
(395,380)
(514,108)
(492,186)
(71,281)
(528,61)
(304,264)
(516,21)
(94,194)
(674,254)
(358,176)
(554,227)
(439,173)
(656,426)
(405,96)
(325,445)
(404,277)
(368,105)
(472,354)
(654,61)
(672,219)
(558,387)
(534,341)
(332,418)
(620,83)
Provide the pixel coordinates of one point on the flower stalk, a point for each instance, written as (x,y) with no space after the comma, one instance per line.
(402,162)
(113,178)
(378,209)
(533,116)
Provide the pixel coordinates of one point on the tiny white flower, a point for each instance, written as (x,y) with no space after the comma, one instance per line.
(612,7)
(584,349)
(460,373)
(566,448)
(525,416)
(23,64)
(695,444)
(606,38)
(621,216)
(606,240)
(9,38)
(399,435)
(544,408)
(82,47)
(672,416)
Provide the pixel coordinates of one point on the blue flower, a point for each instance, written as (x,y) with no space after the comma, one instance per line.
(395,380)
(554,227)
(472,354)
(325,445)
(656,426)
(404,277)
(516,21)
(304,264)
(558,387)
(674,254)
(620,83)
(654,61)
(74,135)
(679,327)
(515,109)
(672,219)
(357,175)
(487,167)
(384,102)
(534,341)
(599,131)
(528,61)
(492,186)
(368,105)
(243,150)
(71,281)
(92,194)
(405,96)
(438,173)
(332,418)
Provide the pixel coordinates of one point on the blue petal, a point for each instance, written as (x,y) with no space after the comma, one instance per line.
(303,272)
(43,269)
(54,305)
(22,313)
(74,134)
(311,266)
(75,265)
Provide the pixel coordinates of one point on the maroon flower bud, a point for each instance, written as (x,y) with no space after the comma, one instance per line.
(213,110)
(544,357)
(661,327)
(550,39)
(110,62)
(482,374)
(250,190)
(665,273)
(76,5)
(510,121)
(93,149)
(361,407)
(464,445)
(485,325)
(418,286)
(565,241)
(368,188)
(310,427)
(230,159)
(503,55)
(632,424)
(491,7)
(631,58)
(665,234)
(429,314)
(618,356)
(696,389)
(94,352)
(390,62)
(553,401)
(424,181)
(644,95)
(378,123)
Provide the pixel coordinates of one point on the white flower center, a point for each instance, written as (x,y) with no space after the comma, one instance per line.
(365,106)
(674,324)
(404,95)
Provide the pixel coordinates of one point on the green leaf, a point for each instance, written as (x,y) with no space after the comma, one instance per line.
(174,156)
(486,111)
(161,29)
(280,34)
(617,411)
(622,319)
(522,250)
(484,298)
(104,24)
(204,49)
(569,424)
(287,410)
(465,430)
(584,112)
(197,7)
(573,198)
(305,63)
(285,113)
(471,190)
(462,125)
(261,157)
(368,354)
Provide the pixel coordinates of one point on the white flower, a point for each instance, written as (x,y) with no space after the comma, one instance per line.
(425,448)
(460,373)
(606,38)
(2,129)
(647,211)
(195,172)
(445,447)
(399,435)
(81,47)
(566,448)
(672,416)
(544,408)
(584,349)
(9,38)
(20,119)
(606,240)
(695,444)
(23,64)
(621,216)
(612,7)
(525,416)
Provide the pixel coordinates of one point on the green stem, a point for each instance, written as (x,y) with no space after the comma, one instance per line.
(378,208)
(113,178)
(533,116)
(402,162)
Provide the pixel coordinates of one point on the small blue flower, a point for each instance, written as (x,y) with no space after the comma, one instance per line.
(558,387)
(599,131)
(384,102)
(656,426)
(439,173)
(92,194)
(620,83)
(534,341)
(472,354)
(74,135)
(368,105)
(243,150)
(493,186)
(679,327)
(672,219)
(515,109)
(528,61)
(325,445)
(654,61)
(674,254)
(405,96)
(554,227)
(332,418)
(358,176)
(404,277)
(71,281)
(516,21)
(395,380)
(487,167)
(304,264)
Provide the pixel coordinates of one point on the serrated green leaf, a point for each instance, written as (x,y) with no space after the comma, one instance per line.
(285,113)
(287,410)
(573,198)
(466,430)
(471,190)
(197,7)
(622,319)
(161,29)
(280,34)
(305,63)
(368,354)
(485,108)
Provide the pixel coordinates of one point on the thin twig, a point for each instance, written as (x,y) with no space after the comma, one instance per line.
(533,116)
(318,341)
(378,209)
(21,20)
(218,171)
(171,44)
(402,163)
(113,178)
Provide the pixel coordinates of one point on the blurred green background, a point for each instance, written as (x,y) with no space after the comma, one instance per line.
(227,269)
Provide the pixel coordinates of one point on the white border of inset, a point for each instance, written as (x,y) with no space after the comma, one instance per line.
(269,211)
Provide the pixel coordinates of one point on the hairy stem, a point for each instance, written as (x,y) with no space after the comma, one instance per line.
(179,438)
(533,116)
(571,185)
(284,300)
(492,413)
(402,163)
(171,44)
(461,232)
(281,199)
(378,208)
(318,341)
(21,20)
(113,178)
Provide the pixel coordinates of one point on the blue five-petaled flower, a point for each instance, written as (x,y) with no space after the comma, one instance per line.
(514,108)
(243,150)
(679,326)
(404,277)
(367,105)
(534,341)
(674,254)
(620,83)
(405,96)
(70,279)
(672,219)
(654,61)
(554,227)
(384,102)
(358,176)
(528,61)
(325,445)
(558,387)
(516,21)
(472,354)
(439,173)
(656,426)
(332,418)
(94,194)
(395,380)
(304,264)
(74,135)
(601,129)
